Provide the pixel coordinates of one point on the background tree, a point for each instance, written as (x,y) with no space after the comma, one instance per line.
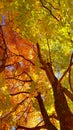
(36,58)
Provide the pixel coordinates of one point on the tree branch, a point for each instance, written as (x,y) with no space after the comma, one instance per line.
(19,55)
(33,128)
(49,51)
(68,93)
(14,109)
(71,63)
(47,67)
(14,94)
(48,124)
(51,5)
(68,69)
(19,79)
(3,46)
(49,11)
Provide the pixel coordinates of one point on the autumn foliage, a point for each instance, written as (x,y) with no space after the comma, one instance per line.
(36,66)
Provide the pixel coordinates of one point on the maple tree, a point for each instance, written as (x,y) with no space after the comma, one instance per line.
(36,65)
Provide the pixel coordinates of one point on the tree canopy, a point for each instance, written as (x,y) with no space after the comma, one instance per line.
(36,64)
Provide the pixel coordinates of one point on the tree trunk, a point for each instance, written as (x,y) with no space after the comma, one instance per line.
(61,106)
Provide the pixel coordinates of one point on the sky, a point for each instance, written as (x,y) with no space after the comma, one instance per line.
(12,128)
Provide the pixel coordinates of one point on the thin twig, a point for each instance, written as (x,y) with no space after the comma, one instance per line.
(49,52)
(68,69)
(33,128)
(19,79)
(14,109)
(19,55)
(51,5)
(22,92)
(49,11)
